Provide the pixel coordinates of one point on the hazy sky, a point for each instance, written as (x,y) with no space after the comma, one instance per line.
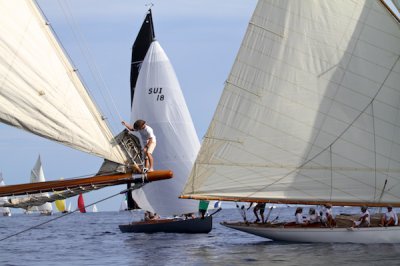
(200,37)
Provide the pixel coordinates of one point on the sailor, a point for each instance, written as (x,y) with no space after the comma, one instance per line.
(365,218)
(260,207)
(203,207)
(327,218)
(313,216)
(299,216)
(148,140)
(389,218)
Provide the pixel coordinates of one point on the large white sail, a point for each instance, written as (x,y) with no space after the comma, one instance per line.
(311,109)
(37,175)
(40,90)
(159,101)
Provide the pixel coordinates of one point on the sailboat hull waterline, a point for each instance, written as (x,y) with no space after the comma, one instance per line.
(189,226)
(365,235)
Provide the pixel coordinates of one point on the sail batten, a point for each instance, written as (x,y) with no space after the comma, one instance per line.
(41,92)
(312,101)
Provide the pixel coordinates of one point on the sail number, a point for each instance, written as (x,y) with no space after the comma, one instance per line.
(157,92)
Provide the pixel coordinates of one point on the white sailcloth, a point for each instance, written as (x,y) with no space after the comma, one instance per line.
(37,175)
(159,101)
(41,91)
(4,210)
(311,109)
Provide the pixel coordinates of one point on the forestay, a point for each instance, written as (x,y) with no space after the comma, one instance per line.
(310,110)
(159,101)
(40,91)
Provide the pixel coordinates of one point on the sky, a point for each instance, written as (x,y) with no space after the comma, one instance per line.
(200,37)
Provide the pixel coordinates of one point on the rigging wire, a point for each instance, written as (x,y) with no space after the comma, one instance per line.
(85,51)
(63,215)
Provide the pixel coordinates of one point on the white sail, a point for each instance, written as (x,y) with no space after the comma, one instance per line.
(37,175)
(124,205)
(40,90)
(94,208)
(4,210)
(311,109)
(159,101)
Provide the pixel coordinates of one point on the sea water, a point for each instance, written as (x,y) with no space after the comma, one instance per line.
(95,239)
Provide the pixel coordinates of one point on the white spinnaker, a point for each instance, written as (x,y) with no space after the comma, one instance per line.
(37,175)
(39,89)
(310,110)
(159,101)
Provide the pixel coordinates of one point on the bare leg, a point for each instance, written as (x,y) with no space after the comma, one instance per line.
(150,160)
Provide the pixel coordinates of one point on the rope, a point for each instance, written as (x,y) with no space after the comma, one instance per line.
(63,215)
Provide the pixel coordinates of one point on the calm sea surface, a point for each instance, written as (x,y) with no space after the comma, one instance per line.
(95,239)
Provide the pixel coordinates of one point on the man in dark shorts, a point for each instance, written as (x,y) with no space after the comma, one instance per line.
(261,208)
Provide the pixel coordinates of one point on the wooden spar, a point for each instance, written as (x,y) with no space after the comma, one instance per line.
(292,201)
(103,180)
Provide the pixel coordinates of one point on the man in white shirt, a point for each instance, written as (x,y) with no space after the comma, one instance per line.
(365,218)
(389,218)
(148,140)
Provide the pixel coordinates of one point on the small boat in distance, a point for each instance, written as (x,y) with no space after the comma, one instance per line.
(4,210)
(81,204)
(309,115)
(37,175)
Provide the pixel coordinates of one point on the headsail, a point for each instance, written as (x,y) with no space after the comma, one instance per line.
(139,49)
(310,112)
(160,102)
(41,91)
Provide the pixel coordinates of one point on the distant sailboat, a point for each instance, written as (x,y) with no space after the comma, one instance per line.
(157,98)
(4,210)
(37,175)
(309,115)
(81,204)
(60,205)
(69,207)
(124,205)
(94,208)
(42,93)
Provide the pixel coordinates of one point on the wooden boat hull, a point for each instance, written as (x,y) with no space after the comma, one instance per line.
(321,234)
(189,226)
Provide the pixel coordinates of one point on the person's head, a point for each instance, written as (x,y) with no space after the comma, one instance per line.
(311,211)
(328,205)
(139,124)
(364,208)
(299,210)
(389,208)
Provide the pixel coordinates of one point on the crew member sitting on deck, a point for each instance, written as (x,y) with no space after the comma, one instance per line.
(389,218)
(327,216)
(299,216)
(313,216)
(365,218)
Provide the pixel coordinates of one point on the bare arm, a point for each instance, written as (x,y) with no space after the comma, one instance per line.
(127,125)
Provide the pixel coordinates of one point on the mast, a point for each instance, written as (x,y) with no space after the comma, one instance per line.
(139,49)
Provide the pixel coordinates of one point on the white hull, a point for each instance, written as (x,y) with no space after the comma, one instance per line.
(365,235)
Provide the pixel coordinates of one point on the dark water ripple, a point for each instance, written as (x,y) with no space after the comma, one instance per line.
(94,239)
